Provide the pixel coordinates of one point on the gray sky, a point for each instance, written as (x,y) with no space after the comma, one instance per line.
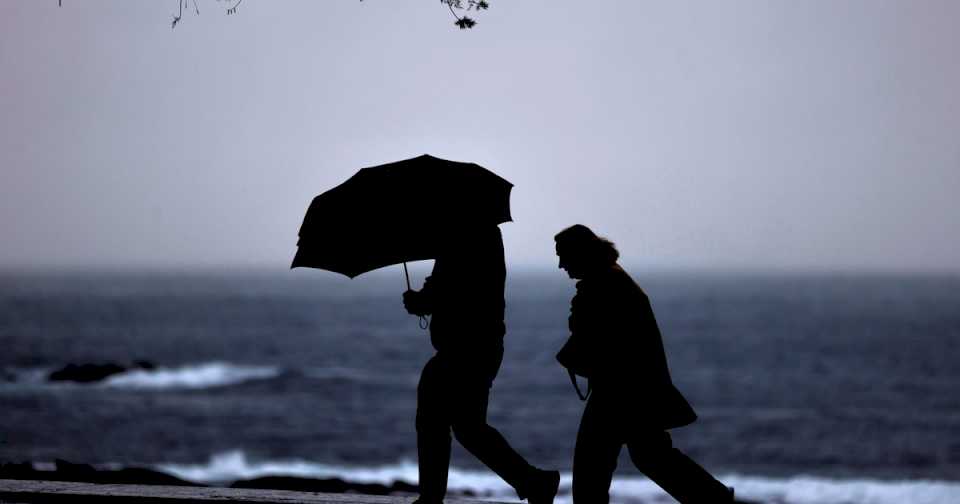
(771,134)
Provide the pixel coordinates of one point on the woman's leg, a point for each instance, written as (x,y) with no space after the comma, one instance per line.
(653,453)
(595,455)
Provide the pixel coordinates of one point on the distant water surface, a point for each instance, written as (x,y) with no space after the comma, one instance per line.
(835,378)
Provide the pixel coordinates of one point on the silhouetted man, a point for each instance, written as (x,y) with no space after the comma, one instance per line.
(464,294)
(615,343)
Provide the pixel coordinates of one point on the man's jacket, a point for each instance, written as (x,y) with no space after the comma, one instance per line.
(464,295)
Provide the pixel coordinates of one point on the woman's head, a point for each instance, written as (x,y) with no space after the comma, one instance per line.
(581,251)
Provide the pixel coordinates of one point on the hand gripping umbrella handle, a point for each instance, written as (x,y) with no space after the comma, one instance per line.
(424,322)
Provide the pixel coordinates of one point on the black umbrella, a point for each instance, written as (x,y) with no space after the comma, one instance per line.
(398,212)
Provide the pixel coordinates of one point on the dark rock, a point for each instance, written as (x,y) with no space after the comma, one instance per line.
(144,364)
(67,471)
(141,476)
(332,485)
(71,469)
(22,470)
(88,373)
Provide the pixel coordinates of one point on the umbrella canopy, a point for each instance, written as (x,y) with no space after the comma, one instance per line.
(398,212)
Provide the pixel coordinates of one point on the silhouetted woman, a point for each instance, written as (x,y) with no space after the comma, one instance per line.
(464,293)
(615,343)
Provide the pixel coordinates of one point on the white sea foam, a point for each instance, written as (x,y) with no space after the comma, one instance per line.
(206,375)
(818,490)
(235,465)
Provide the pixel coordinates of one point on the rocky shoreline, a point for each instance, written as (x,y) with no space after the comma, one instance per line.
(67,471)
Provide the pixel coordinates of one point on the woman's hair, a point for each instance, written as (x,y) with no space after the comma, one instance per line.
(581,240)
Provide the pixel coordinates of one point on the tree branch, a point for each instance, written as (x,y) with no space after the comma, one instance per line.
(463,22)
(176,19)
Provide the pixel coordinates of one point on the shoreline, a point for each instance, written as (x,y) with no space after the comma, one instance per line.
(84,473)
(42,491)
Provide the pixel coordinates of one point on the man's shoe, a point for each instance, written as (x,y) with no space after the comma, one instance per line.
(545,489)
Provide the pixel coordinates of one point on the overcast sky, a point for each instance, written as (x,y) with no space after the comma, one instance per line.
(739,134)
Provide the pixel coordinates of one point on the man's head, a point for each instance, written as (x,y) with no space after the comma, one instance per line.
(581,252)
(467,240)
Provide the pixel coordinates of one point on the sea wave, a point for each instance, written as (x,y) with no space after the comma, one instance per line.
(205,375)
(15,376)
(235,465)
(356,375)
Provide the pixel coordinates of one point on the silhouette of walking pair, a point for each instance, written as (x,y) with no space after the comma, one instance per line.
(614,342)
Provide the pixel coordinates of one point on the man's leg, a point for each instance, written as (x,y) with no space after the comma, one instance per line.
(653,453)
(433,433)
(469,422)
(486,443)
(595,456)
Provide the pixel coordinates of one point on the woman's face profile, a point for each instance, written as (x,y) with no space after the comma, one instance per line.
(568,261)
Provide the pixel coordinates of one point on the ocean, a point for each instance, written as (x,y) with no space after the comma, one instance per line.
(811,388)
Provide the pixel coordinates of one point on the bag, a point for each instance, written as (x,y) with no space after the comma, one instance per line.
(573,357)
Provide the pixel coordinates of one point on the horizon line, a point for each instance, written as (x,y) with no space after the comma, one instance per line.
(523,268)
